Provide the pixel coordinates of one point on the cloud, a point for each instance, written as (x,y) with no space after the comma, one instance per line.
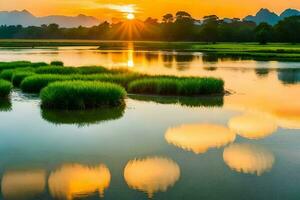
(131,8)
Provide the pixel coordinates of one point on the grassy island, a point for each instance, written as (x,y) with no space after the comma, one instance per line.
(82,95)
(177,86)
(90,87)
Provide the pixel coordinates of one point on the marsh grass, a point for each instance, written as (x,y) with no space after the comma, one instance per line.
(7,74)
(18,77)
(71,70)
(5,88)
(82,95)
(82,117)
(34,84)
(177,86)
(57,63)
(20,64)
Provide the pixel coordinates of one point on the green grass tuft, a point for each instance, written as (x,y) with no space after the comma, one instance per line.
(177,86)
(5,88)
(57,63)
(7,74)
(82,95)
(20,64)
(35,83)
(70,70)
(19,76)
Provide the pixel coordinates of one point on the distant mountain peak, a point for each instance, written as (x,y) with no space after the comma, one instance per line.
(25,18)
(289,12)
(265,15)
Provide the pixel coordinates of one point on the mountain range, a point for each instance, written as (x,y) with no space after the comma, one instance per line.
(25,18)
(265,15)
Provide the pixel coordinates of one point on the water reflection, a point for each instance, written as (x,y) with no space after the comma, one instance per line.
(198,138)
(21,185)
(262,72)
(5,105)
(210,58)
(272,101)
(216,101)
(75,180)
(152,174)
(253,126)
(289,76)
(248,158)
(82,118)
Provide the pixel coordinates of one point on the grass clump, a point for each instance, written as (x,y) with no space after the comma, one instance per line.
(70,70)
(177,86)
(82,95)
(20,64)
(5,88)
(34,84)
(57,63)
(7,74)
(19,76)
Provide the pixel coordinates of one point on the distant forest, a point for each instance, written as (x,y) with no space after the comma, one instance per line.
(181,27)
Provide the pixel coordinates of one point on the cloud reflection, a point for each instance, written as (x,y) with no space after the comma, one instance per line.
(73,180)
(253,126)
(18,185)
(198,138)
(248,158)
(151,175)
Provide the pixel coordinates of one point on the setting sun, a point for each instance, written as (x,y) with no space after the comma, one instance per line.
(130,16)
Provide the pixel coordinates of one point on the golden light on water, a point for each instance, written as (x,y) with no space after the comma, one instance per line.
(71,181)
(151,175)
(248,158)
(199,138)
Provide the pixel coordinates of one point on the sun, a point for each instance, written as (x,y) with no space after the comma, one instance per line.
(130,16)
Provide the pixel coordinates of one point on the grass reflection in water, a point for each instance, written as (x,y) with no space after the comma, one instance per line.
(214,101)
(82,117)
(5,105)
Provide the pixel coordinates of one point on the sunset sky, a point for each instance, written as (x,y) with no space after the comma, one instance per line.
(108,9)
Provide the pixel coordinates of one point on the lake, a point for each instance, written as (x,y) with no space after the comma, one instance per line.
(241,146)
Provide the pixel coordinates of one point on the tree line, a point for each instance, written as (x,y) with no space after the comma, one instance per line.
(179,27)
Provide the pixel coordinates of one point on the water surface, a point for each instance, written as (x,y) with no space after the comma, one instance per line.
(240,146)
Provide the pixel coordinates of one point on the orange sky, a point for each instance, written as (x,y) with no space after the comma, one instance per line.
(107,9)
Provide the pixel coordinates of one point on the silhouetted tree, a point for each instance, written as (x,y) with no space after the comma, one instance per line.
(168,18)
(288,30)
(263,33)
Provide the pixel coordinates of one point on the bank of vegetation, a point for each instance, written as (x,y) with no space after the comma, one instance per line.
(179,27)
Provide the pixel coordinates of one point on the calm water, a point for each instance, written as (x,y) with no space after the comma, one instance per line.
(243,146)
